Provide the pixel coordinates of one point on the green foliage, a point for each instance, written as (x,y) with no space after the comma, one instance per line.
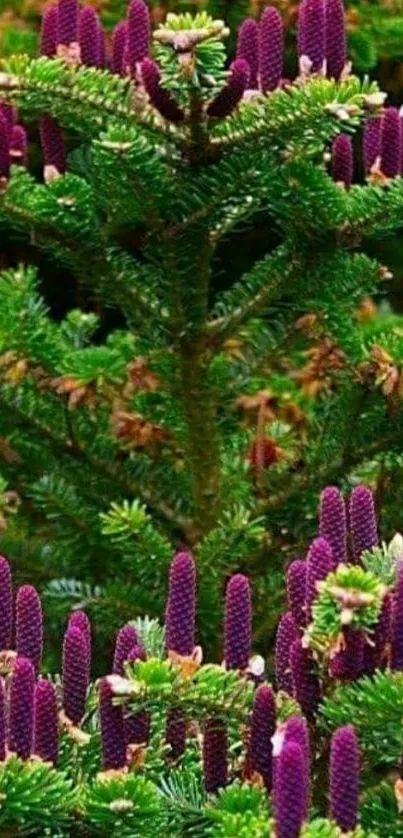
(34,795)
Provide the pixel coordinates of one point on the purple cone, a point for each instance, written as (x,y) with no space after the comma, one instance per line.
(215,755)
(52,142)
(103,58)
(21,712)
(118,47)
(304,679)
(296,590)
(312,33)
(348,664)
(137,725)
(125,640)
(180,616)
(160,98)
(342,160)
(6,604)
(238,623)
(332,521)
(291,791)
(262,727)
(383,630)
(296,730)
(175,733)
(344,778)
(137,45)
(364,534)
(19,146)
(336,42)
(3,731)
(75,674)
(397,625)
(46,727)
(67,22)
(29,625)
(247,48)
(88,37)
(271,49)
(319,563)
(49,32)
(371,142)
(112,729)
(231,94)
(390,142)
(287,633)
(80,620)
(4,148)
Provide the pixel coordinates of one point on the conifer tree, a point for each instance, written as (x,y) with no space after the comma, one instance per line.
(163,414)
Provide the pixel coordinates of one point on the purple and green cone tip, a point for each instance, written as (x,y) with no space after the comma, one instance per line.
(231,94)
(296,590)
(371,142)
(336,41)
(238,623)
(19,146)
(112,729)
(67,22)
(262,727)
(118,47)
(21,708)
(333,521)
(180,616)
(271,49)
(160,98)
(287,633)
(390,142)
(75,674)
(305,681)
(6,604)
(125,640)
(344,778)
(4,148)
(88,37)
(3,727)
(29,625)
(52,142)
(46,727)
(343,160)
(312,33)
(363,527)
(137,44)
(397,625)
(137,725)
(347,664)
(291,791)
(80,620)
(247,48)
(49,32)
(215,755)
(320,563)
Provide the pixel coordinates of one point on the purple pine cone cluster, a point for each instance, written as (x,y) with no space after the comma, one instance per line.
(383,143)
(322,37)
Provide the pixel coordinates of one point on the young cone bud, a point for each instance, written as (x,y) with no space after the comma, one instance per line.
(336,42)
(287,633)
(304,679)
(49,32)
(19,146)
(46,728)
(347,664)
(118,47)
(344,778)
(291,791)
(333,522)
(390,142)
(362,521)
(125,640)
(137,35)
(21,710)
(6,605)
(312,33)
(67,22)
(75,674)
(52,143)
(160,98)
(397,625)
(180,616)
(319,563)
(231,94)
(88,37)
(262,727)
(271,49)
(342,160)
(80,620)
(296,590)
(215,755)
(112,729)
(29,625)
(371,142)
(137,725)
(238,623)
(247,48)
